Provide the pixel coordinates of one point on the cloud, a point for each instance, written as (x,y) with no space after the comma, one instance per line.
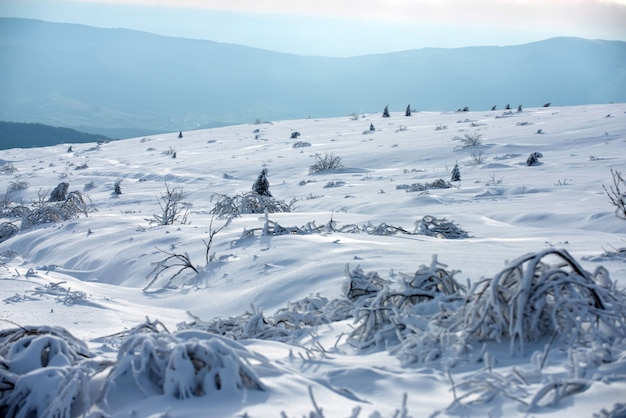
(377,9)
(604,19)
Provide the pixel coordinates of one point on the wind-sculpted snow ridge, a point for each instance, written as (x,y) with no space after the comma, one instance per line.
(422,318)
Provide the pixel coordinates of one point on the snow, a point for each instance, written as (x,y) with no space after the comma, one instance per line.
(88,275)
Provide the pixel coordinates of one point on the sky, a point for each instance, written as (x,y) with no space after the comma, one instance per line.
(343,27)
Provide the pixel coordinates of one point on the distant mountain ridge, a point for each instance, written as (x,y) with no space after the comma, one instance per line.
(27,135)
(125,81)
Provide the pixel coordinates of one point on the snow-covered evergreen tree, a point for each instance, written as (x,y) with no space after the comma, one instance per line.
(386,112)
(408,111)
(262,185)
(456,173)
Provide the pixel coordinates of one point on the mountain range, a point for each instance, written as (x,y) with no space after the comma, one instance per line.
(124,83)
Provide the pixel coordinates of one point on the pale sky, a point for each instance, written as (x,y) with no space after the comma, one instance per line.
(343,27)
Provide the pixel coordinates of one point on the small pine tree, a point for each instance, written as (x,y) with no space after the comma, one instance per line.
(262,185)
(456,173)
(372,127)
(533,158)
(117,188)
(386,112)
(408,111)
(180,134)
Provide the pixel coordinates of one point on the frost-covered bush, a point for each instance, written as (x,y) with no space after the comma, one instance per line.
(8,168)
(328,161)
(616,194)
(334,183)
(440,228)
(59,194)
(358,283)
(17,185)
(469,140)
(547,294)
(533,158)
(71,208)
(172,207)
(42,374)
(283,326)
(420,187)
(251,202)
(8,230)
(301,144)
(16,212)
(183,365)
(386,314)
(89,186)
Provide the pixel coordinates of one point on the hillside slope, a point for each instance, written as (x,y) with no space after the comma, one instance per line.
(318,308)
(95,79)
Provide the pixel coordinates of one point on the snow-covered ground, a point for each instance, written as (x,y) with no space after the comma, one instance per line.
(294,343)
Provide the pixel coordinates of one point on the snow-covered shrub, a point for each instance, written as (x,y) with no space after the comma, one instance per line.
(385,313)
(432,280)
(89,186)
(440,228)
(306,312)
(174,261)
(282,326)
(478,157)
(16,212)
(301,144)
(172,208)
(616,195)
(59,194)
(469,140)
(295,135)
(71,208)
(8,230)
(251,202)
(328,161)
(533,158)
(17,185)
(532,298)
(360,284)
(186,364)
(382,229)
(170,151)
(334,183)
(251,324)
(420,187)
(482,387)
(7,168)
(58,392)
(41,373)
(84,165)
(261,185)
(27,348)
